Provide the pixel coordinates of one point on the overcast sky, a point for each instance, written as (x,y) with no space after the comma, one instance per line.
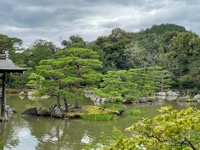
(56,20)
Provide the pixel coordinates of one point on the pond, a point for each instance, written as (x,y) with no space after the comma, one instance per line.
(40,133)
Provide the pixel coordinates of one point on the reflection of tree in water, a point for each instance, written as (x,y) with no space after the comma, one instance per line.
(9,132)
(57,134)
(6,133)
(48,131)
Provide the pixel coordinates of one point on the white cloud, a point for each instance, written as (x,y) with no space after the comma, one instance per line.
(14,29)
(57,20)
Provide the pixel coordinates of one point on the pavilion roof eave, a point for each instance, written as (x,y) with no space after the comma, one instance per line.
(12,71)
(6,65)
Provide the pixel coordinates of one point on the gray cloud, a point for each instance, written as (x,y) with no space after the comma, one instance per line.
(57,20)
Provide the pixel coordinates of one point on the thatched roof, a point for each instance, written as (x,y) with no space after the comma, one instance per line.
(6,65)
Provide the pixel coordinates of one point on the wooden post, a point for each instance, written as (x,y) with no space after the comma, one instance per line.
(3,98)
(6,66)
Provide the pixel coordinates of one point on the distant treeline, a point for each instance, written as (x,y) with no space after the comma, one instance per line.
(169,46)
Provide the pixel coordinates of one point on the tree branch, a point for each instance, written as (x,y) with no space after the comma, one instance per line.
(189,143)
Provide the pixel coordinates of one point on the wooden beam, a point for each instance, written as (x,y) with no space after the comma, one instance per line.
(3,97)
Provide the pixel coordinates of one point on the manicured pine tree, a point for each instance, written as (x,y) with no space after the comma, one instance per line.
(69,73)
(82,65)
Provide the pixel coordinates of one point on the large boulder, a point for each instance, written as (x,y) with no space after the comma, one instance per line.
(161,94)
(156,98)
(183,99)
(36,111)
(196,98)
(98,100)
(10,110)
(171,93)
(127,101)
(171,98)
(55,111)
(89,92)
(32,111)
(143,100)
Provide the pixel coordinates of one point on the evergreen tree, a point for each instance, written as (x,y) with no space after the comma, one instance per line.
(69,73)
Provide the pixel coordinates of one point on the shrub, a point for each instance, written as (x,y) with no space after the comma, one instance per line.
(172,129)
(133,112)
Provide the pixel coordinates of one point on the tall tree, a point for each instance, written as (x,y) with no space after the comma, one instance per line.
(83,64)
(74,41)
(149,47)
(40,50)
(9,44)
(116,86)
(184,59)
(161,78)
(135,55)
(134,83)
(113,46)
(56,79)
(69,73)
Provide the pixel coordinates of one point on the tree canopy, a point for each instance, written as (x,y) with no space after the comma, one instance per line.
(167,45)
(172,129)
(68,73)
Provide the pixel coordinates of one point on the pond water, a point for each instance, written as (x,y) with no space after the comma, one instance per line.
(42,133)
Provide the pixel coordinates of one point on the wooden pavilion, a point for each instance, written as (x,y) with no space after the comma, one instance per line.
(6,66)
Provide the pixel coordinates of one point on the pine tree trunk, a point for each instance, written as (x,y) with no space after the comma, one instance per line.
(58,100)
(78,85)
(66,104)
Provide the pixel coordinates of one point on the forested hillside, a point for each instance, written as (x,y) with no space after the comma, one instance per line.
(169,46)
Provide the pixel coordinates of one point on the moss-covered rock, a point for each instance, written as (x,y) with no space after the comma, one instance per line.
(89,109)
(44,112)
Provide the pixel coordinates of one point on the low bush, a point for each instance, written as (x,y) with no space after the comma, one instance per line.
(133,112)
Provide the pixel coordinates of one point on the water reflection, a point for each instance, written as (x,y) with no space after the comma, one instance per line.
(55,134)
(86,139)
(24,140)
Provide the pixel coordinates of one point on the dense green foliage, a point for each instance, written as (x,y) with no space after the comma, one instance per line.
(119,66)
(169,46)
(134,83)
(74,41)
(184,56)
(9,44)
(40,50)
(133,112)
(113,47)
(67,74)
(171,130)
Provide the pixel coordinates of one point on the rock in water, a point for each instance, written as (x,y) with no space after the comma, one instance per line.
(55,111)
(31,112)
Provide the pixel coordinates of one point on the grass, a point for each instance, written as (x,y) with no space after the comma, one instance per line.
(98,110)
(133,112)
(99,117)
(93,113)
(1,144)
(114,106)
